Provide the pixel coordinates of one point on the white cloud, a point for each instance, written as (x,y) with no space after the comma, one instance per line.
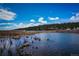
(41,20)
(32,20)
(32,24)
(22,25)
(74,18)
(13,26)
(37,24)
(7,15)
(77,14)
(44,22)
(6,23)
(53,18)
(8,27)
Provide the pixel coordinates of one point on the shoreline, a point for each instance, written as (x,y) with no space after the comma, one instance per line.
(18,33)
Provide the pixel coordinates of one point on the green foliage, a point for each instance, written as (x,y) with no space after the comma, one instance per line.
(54,26)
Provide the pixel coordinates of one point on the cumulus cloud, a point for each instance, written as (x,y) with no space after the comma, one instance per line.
(7,15)
(74,18)
(10,26)
(41,20)
(32,24)
(53,18)
(32,20)
(77,14)
(37,24)
(22,25)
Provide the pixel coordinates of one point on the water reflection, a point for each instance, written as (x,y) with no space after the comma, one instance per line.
(41,44)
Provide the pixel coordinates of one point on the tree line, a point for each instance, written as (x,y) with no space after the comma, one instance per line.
(55,26)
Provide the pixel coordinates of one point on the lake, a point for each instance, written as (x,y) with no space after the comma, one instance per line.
(43,44)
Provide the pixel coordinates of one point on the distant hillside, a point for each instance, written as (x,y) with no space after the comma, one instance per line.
(65,27)
(53,26)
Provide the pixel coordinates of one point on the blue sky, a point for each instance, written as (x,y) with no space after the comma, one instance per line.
(22,15)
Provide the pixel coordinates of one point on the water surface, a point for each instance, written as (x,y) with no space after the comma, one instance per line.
(42,44)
